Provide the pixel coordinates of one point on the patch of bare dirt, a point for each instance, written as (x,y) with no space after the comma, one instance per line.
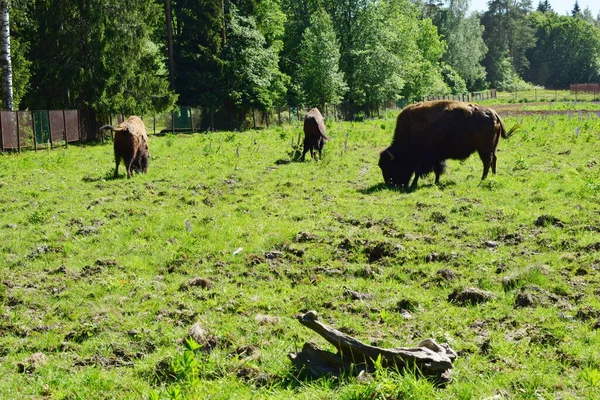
(470,296)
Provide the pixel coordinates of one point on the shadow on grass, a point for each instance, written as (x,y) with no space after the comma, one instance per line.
(384,186)
(379,187)
(108,176)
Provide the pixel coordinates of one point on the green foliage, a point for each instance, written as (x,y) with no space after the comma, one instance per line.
(454,81)
(509,80)
(463,35)
(250,65)
(379,55)
(96,55)
(508,36)
(197,46)
(567,51)
(423,75)
(322,82)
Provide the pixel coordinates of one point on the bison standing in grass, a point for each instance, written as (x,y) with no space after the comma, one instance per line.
(431,132)
(131,145)
(314,133)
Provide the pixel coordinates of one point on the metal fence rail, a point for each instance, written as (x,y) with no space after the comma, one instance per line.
(485,95)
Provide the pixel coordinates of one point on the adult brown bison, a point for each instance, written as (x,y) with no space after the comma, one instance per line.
(314,133)
(131,145)
(431,132)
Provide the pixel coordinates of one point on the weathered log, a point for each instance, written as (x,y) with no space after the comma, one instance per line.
(429,358)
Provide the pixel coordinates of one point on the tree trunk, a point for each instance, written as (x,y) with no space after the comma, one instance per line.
(224,25)
(7,84)
(169,22)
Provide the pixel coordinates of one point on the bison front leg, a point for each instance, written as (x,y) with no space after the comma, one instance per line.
(117,162)
(413,185)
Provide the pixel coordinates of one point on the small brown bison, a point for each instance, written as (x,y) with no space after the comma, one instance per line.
(314,133)
(429,133)
(131,145)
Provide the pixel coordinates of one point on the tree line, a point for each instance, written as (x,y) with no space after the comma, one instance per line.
(230,56)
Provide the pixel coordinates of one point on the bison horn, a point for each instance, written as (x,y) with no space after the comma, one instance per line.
(391,155)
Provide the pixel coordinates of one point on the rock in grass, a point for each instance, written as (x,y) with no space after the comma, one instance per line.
(201,336)
(587,313)
(32,363)
(546,220)
(197,282)
(353,295)
(470,296)
(534,296)
(267,319)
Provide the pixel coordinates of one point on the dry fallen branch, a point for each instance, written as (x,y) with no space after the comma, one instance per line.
(431,359)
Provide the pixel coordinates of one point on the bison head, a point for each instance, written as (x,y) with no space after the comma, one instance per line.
(396,169)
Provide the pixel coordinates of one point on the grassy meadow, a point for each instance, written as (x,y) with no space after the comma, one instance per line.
(102,278)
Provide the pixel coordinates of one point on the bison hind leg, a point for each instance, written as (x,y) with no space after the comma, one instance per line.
(488,159)
(320,145)
(129,165)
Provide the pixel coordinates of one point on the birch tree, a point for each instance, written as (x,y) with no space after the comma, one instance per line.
(7,85)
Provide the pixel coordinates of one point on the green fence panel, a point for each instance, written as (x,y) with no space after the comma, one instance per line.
(41,121)
(182,118)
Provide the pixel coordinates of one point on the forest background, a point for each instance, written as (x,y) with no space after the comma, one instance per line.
(231,56)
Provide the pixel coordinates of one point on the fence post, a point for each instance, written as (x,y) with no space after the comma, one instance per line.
(191,120)
(173,122)
(254,117)
(18,136)
(50,131)
(64,126)
(154,125)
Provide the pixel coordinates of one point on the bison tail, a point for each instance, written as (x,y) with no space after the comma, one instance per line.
(512,130)
(107,127)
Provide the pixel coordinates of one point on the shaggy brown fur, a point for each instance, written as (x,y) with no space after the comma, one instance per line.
(314,133)
(131,145)
(429,133)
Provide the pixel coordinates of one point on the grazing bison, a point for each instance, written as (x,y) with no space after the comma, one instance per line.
(429,133)
(314,133)
(131,145)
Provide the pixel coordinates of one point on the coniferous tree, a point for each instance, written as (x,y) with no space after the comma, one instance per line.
(508,36)
(97,56)
(544,6)
(198,44)
(576,11)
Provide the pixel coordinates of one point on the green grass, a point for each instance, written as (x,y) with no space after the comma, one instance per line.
(96,272)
